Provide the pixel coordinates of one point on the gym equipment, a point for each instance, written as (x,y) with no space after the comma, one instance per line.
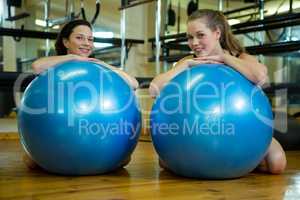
(211,122)
(79,118)
(290,138)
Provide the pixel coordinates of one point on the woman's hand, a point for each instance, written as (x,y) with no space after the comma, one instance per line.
(210,59)
(82,58)
(218,56)
(215,59)
(204,60)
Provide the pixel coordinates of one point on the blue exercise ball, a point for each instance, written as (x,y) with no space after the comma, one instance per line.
(79,118)
(210,122)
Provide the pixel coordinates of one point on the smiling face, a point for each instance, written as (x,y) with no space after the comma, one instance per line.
(201,39)
(80,42)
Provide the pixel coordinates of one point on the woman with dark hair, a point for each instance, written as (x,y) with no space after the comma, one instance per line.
(211,40)
(65,32)
(75,42)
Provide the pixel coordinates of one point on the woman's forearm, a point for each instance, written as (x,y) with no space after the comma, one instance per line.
(249,67)
(44,63)
(129,79)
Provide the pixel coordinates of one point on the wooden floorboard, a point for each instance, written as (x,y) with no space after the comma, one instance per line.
(141,179)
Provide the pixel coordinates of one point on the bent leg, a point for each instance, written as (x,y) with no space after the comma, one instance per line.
(275,159)
(29,162)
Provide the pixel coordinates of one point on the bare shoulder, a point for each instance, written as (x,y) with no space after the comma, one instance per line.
(186,57)
(246,56)
(178,63)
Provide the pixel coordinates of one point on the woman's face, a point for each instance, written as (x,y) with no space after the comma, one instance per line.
(201,39)
(80,42)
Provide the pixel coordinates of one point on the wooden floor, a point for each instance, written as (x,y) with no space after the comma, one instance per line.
(141,179)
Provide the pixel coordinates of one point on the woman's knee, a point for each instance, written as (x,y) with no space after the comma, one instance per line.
(276,159)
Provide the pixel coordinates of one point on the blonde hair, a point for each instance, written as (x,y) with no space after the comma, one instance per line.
(215,19)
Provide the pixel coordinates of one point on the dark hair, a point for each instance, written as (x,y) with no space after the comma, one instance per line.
(65,33)
(215,19)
